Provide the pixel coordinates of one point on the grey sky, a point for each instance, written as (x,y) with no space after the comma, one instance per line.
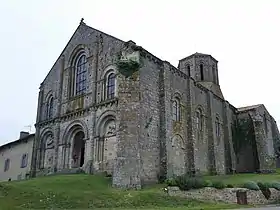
(243,35)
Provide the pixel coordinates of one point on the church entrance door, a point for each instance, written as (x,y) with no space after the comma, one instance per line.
(79,150)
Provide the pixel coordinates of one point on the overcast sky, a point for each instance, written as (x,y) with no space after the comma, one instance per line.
(243,35)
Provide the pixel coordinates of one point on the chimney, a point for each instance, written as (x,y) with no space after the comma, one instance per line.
(23,134)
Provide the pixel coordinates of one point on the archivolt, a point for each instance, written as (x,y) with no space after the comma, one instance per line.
(106,116)
(74,127)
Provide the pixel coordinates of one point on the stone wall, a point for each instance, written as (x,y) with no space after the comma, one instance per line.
(227,195)
(147,139)
(176,140)
(128,167)
(91,109)
(258,148)
(149,130)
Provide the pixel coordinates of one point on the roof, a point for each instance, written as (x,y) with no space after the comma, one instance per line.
(17,141)
(85,25)
(198,54)
(247,108)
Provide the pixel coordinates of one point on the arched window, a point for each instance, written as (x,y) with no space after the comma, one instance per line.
(199,123)
(50,108)
(80,75)
(176,110)
(217,126)
(111,86)
(7,165)
(24,160)
(201,72)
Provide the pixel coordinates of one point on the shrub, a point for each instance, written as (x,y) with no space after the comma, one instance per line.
(171,182)
(251,185)
(161,178)
(268,184)
(186,182)
(265,189)
(218,184)
(229,186)
(198,183)
(275,185)
(207,183)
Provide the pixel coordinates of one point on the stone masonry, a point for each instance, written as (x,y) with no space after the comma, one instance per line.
(111,106)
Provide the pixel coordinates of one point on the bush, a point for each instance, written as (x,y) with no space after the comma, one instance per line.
(229,186)
(198,183)
(161,179)
(186,182)
(275,185)
(251,185)
(264,187)
(268,184)
(207,183)
(218,184)
(171,182)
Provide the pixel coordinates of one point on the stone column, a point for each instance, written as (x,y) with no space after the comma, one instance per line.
(56,143)
(88,155)
(36,143)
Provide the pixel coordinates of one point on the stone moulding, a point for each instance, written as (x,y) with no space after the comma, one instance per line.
(227,195)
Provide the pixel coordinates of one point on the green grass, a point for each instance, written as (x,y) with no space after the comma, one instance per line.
(239,179)
(87,191)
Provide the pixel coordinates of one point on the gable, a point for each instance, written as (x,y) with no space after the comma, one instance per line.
(84,37)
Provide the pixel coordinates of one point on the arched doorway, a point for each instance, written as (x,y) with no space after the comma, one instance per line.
(73,145)
(106,144)
(110,143)
(46,152)
(78,154)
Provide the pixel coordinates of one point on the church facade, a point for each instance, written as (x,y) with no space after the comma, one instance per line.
(111,106)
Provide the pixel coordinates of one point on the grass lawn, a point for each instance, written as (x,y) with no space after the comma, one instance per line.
(239,179)
(88,191)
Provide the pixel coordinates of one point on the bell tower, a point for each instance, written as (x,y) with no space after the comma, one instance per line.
(202,68)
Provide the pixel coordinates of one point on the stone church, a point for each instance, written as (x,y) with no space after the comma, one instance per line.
(111,106)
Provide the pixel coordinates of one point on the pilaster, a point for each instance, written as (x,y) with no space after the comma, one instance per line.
(230,159)
(190,133)
(211,145)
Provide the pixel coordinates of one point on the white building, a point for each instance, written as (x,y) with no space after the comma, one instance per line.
(15,158)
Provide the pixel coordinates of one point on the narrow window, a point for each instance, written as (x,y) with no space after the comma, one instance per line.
(214,74)
(176,110)
(80,79)
(197,119)
(24,160)
(199,122)
(217,126)
(265,124)
(201,72)
(111,86)
(7,165)
(189,70)
(50,108)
